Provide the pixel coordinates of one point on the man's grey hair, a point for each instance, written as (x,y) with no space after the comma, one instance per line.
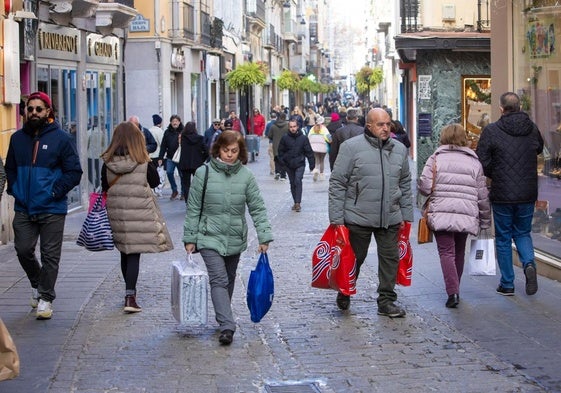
(353,113)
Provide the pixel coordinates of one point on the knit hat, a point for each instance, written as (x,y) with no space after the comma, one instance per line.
(43,97)
(157,119)
(335,117)
(320,120)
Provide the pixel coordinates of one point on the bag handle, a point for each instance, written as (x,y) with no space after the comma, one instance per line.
(204,191)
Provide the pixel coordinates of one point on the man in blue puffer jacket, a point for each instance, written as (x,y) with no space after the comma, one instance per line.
(508,150)
(42,166)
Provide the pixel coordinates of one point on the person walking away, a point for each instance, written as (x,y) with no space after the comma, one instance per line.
(294,149)
(150,142)
(459,205)
(42,166)
(277,131)
(400,134)
(228,183)
(370,193)
(158,134)
(128,176)
(256,123)
(335,123)
(351,129)
(319,138)
(270,147)
(508,150)
(170,143)
(193,154)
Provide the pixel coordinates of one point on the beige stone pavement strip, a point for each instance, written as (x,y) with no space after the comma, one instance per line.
(304,338)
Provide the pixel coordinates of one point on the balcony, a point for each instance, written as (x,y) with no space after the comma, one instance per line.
(256,14)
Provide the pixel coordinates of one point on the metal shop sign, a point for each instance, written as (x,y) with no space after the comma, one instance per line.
(58,42)
(105,50)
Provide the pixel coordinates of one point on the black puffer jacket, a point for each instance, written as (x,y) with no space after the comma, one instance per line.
(194,152)
(294,149)
(508,151)
(170,141)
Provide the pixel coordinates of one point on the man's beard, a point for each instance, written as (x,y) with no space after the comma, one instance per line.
(35,123)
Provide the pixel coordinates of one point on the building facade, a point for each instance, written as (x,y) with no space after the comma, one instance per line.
(73,51)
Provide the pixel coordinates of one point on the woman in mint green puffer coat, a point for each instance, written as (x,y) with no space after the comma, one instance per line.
(216,224)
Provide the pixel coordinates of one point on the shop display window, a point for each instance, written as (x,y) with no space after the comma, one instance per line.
(537,77)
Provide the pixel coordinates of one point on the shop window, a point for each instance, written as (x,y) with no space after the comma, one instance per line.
(537,70)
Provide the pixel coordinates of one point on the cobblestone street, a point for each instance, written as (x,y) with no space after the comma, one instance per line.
(489,343)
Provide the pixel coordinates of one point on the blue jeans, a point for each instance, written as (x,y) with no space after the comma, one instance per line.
(49,229)
(222,277)
(170,170)
(513,222)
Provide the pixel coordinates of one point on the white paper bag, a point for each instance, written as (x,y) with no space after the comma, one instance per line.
(482,257)
(189,293)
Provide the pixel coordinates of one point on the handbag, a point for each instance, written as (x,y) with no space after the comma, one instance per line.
(482,256)
(334,262)
(96,233)
(260,289)
(424,233)
(405,265)
(9,358)
(189,292)
(177,155)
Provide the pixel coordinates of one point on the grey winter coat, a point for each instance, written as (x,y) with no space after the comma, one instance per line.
(460,200)
(222,225)
(370,184)
(137,223)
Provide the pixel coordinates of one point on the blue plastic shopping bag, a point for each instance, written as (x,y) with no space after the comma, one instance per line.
(260,289)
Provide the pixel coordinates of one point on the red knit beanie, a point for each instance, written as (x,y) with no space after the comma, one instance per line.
(335,117)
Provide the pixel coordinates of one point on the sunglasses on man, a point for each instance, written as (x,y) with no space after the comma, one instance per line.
(37,109)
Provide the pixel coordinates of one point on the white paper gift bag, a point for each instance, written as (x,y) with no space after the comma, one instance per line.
(482,260)
(189,293)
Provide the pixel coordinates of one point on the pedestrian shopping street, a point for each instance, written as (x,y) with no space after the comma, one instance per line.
(490,343)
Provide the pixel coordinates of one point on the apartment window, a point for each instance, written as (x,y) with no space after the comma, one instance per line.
(409,10)
(189,21)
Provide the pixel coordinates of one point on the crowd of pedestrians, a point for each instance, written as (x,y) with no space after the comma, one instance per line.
(370,192)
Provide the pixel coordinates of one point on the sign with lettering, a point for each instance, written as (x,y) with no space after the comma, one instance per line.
(139,24)
(58,42)
(105,50)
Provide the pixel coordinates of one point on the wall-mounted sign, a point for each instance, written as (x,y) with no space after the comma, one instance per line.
(58,42)
(104,50)
(139,24)
(424,124)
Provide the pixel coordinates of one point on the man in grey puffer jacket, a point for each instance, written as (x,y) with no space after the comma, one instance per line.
(370,193)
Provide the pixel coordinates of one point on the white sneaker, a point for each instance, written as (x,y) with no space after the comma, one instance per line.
(44,310)
(321,176)
(34,298)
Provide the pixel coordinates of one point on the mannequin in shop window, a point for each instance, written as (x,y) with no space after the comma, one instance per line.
(96,145)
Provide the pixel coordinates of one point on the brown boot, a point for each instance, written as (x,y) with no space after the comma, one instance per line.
(297,207)
(130,304)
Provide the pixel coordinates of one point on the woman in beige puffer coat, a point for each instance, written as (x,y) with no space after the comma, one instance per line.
(128,176)
(458,203)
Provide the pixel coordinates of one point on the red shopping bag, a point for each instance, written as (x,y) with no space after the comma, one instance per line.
(405,266)
(93,198)
(333,262)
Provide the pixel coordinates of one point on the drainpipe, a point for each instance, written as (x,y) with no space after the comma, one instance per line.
(479,27)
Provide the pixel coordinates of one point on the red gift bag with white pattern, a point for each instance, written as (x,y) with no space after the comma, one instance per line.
(333,261)
(405,266)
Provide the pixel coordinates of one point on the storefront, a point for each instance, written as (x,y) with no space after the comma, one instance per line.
(81,73)
(530,34)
